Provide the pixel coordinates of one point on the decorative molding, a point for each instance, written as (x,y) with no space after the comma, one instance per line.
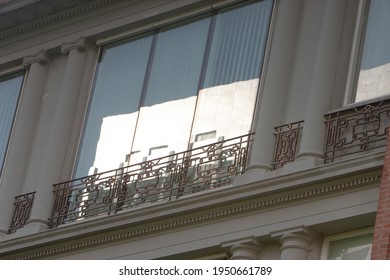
(296,195)
(79,44)
(244,249)
(57,18)
(295,238)
(40,57)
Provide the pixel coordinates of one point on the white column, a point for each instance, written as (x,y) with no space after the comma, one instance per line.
(52,163)
(271,105)
(22,136)
(244,249)
(324,76)
(296,243)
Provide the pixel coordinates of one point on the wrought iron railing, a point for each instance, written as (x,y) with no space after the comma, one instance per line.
(161,179)
(356,130)
(22,209)
(287,138)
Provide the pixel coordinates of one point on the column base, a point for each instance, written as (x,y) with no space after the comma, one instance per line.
(258,168)
(252,174)
(306,161)
(32,227)
(3,236)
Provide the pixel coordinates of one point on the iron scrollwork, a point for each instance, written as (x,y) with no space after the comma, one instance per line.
(22,209)
(356,130)
(162,179)
(287,138)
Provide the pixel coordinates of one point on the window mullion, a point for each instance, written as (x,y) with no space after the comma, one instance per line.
(145,86)
(203,68)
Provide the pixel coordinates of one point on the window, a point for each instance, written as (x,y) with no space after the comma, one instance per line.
(354,245)
(165,87)
(374,69)
(354,248)
(10,87)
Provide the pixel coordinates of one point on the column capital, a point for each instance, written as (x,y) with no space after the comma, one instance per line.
(79,44)
(296,243)
(244,249)
(40,57)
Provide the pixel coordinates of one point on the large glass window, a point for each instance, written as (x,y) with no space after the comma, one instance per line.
(374,75)
(10,87)
(176,87)
(354,248)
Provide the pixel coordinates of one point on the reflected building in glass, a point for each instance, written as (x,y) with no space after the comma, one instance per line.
(223,129)
(192,78)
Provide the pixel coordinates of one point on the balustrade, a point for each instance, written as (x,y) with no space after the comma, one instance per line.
(287,138)
(356,130)
(161,179)
(22,209)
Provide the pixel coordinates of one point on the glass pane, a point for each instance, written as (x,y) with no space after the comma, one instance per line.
(227,98)
(113,109)
(9,96)
(165,119)
(374,76)
(357,248)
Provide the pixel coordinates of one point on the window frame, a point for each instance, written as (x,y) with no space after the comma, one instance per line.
(356,58)
(161,21)
(327,241)
(17,70)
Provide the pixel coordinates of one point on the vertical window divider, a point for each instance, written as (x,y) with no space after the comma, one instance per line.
(145,85)
(356,52)
(203,70)
(87,110)
(264,66)
(20,92)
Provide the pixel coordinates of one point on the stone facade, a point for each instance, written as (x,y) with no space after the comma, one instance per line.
(271,213)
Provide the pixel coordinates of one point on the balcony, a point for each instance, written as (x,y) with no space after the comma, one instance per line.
(163,179)
(349,132)
(356,130)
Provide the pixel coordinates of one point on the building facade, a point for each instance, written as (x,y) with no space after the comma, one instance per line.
(194,129)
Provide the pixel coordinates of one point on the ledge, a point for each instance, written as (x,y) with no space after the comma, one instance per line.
(274,189)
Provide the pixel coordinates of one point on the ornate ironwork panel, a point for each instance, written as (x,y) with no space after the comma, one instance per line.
(287,138)
(157,180)
(22,209)
(356,130)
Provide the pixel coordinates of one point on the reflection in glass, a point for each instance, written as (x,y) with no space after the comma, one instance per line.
(357,248)
(9,96)
(188,83)
(113,110)
(227,98)
(166,116)
(374,76)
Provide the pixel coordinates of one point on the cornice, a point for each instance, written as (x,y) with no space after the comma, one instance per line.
(195,217)
(56,18)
